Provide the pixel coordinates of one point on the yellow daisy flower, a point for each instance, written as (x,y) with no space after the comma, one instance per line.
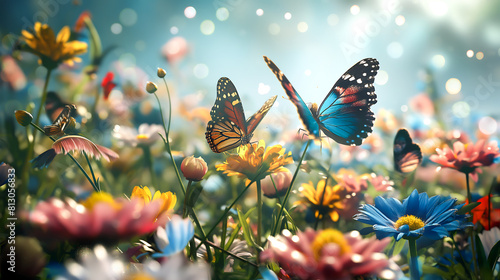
(53,50)
(255,162)
(169,199)
(322,201)
(99,197)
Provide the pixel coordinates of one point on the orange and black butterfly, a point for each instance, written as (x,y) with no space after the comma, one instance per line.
(54,105)
(228,128)
(407,155)
(61,122)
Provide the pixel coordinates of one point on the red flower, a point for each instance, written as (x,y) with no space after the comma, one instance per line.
(480,214)
(107,84)
(466,158)
(80,22)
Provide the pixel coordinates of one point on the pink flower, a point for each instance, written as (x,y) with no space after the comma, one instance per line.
(466,158)
(194,168)
(422,104)
(282,181)
(326,253)
(103,219)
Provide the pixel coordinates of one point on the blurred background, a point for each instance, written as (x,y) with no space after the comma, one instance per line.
(453,46)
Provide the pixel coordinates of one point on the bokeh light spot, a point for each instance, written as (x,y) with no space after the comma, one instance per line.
(200,71)
(404,108)
(274,29)
(453,86)
(355,9)
(307,72)
(302,27)
(470,53)
(461,109)
(287,16)
(222,14)
(207,27)
(438,61)
(488,125)
(332,19)
(140,45)
(259,12)
(438,8)
(381,78)
(400,20)
(174,30)
(190,12)
(479,55)
(395,50)
(116,28)
(128,17)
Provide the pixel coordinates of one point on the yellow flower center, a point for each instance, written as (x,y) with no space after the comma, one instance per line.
(329,236)
(142,137)
(140,276)
(410,220)
(100,197)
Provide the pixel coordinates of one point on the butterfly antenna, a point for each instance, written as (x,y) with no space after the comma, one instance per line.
(304,134)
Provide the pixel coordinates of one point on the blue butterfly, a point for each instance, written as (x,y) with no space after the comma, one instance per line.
(345,114)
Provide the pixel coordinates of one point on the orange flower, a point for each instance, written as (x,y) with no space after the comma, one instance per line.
(255,162)
(488,218)
(53,50)
(322,201)
(144,194)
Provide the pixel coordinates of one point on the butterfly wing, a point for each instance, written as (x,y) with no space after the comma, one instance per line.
(345,114)
(60,123)
(407,155)
(256,118)
(227,129)
(304,113)
(53,105)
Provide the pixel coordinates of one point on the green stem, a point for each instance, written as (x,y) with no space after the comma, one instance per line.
(74,160)
(259,218)
(285,200)
(91,171)
(44,98)
(166,138)
(414,270)
(227,252)
(471,230)
(229,208)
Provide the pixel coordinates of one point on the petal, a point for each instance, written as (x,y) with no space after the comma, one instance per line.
(63,35)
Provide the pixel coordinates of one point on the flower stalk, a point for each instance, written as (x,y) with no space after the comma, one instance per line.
(414,268)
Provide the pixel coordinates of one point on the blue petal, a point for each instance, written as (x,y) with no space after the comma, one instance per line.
(369,214)
(387,208)
(179,232)
(411,203)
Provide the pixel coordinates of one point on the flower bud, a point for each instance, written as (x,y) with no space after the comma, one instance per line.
(151,87)
(161,72)
(194,168)
(282,181)
(23,118)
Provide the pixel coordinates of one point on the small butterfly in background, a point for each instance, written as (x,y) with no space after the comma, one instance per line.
(345,114)
(61,122)
(407,155)
(54,105)
(228,128)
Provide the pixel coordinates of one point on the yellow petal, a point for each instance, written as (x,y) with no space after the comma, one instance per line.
(63,35)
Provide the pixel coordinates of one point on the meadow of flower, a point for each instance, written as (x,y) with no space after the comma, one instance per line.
(92,191)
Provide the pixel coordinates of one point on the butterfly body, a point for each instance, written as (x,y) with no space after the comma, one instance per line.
(407,155)
(61,122)
(345,114)
(228,128)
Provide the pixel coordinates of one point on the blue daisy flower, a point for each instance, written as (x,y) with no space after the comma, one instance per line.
(174,237)
(417,216)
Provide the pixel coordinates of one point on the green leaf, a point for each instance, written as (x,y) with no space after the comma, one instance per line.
(484,268)
(192,194)
(427,269)
(494,255)
(396,246)
(237,230)
(467,208)
(247,232)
